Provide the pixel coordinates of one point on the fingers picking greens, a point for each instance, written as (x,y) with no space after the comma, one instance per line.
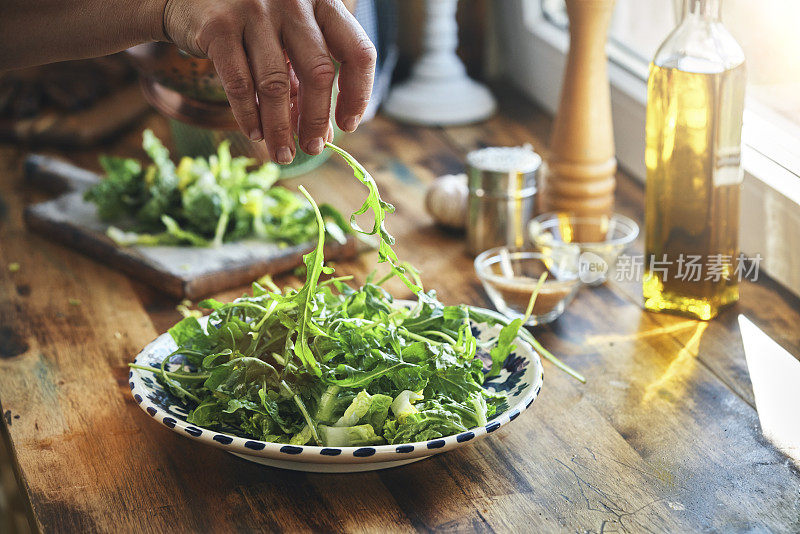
(333,365)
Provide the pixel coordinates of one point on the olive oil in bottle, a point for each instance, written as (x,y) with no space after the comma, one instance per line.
(695,103)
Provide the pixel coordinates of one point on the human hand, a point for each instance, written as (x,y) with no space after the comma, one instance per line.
(275,60)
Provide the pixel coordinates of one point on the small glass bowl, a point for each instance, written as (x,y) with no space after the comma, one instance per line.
(599,240)
(510,275)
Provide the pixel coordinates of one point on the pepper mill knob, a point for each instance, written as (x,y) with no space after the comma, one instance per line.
(579,176)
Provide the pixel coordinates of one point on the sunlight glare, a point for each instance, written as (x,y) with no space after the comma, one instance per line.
(775,375)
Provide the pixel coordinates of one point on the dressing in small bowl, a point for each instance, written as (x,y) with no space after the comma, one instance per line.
(510,276)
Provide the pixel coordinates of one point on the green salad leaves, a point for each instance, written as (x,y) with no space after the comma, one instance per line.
(333,365)
(346,367)
(203,201)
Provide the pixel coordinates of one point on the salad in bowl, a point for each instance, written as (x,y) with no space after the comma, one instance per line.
(330,374)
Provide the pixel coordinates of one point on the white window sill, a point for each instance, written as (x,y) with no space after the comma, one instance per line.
(534,54)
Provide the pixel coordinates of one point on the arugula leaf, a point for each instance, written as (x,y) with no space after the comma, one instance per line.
(314,266)
(239,374)
(379,209)
(186,332)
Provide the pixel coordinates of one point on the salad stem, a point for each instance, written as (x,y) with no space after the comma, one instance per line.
(551,358)
(441,335)
(182,376)
(302,407)
(417,337)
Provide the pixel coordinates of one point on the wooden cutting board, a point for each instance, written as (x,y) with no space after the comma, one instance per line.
(185,272)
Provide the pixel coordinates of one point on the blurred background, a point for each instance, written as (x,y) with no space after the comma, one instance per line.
(522,42)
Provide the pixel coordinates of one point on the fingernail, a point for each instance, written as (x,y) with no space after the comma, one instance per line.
(315,146)
(284,155)
(351,123)
(255,135)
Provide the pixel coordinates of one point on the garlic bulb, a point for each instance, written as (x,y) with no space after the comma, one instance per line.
(446,200)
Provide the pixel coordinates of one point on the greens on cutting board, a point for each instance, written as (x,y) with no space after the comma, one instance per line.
(329,364)
(203,201)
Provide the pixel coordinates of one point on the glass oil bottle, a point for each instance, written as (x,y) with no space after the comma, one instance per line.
(695,103)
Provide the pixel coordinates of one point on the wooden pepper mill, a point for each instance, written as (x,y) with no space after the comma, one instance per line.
(579,177)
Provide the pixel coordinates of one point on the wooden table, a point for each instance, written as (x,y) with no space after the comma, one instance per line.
(664,436)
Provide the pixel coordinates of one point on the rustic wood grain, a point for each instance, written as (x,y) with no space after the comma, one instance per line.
(663,437)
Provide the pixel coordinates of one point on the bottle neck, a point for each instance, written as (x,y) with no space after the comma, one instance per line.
(703,9)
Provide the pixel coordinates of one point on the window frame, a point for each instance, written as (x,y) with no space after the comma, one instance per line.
(533,51)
